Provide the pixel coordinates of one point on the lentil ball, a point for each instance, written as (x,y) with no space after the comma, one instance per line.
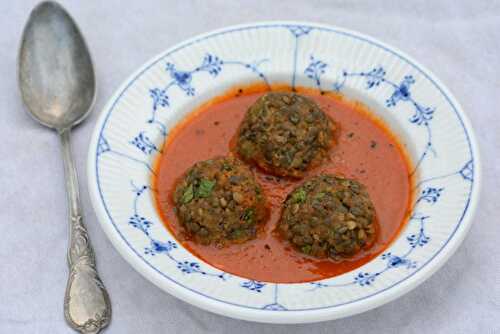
(219,201)
(285,134)
(329,216)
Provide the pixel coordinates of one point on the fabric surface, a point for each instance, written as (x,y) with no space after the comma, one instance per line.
(458,40)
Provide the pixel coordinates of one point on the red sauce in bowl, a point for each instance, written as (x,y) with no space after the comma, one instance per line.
(366,150)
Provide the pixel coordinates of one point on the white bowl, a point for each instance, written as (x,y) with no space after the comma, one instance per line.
(415,105)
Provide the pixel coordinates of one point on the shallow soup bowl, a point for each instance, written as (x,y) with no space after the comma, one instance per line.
(408,98)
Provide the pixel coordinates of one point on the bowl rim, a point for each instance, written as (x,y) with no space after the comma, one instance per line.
(290,316)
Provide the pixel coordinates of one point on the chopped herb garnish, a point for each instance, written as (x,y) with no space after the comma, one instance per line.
(287,158)
(205,188)
(299,196)
(187,195)
(248,214)
(306,249)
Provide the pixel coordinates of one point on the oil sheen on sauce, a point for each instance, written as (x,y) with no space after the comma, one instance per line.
(365,150)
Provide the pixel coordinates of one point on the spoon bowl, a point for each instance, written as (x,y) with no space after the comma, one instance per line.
(56,75)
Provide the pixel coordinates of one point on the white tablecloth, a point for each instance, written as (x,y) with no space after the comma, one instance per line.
(458,40)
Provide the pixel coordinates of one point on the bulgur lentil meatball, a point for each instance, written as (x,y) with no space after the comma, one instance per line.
(285,134)
(329,216)
(219,202)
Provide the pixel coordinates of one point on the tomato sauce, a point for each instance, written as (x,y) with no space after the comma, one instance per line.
(366,150)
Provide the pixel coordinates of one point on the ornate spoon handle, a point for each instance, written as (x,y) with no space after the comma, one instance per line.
(87,307)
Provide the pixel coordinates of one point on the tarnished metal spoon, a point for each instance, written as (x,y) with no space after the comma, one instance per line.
(57,84)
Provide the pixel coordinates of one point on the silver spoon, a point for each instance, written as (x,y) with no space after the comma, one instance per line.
(57,84)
